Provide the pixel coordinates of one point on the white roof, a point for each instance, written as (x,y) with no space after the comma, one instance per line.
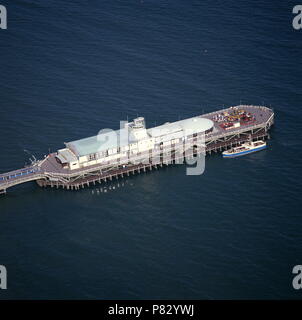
(66,156)
(119,138)
(102,142)
(183,127)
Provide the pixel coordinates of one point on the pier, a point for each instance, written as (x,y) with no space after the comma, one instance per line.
(50,173)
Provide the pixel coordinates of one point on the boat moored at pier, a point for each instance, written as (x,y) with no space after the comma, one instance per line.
(244,149)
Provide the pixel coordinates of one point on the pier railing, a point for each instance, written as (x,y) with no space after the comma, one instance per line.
(234,131)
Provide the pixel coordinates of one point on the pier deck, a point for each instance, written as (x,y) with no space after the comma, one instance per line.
(49,172)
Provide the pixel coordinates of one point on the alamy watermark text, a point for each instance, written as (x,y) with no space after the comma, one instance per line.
(3,17)
(297,280)
(297,21)
(3,277)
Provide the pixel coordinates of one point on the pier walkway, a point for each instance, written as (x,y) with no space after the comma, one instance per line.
(16,177)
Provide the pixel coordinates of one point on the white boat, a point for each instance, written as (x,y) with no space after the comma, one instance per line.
(245,148)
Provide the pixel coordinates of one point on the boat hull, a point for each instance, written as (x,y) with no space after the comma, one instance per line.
(242,153)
